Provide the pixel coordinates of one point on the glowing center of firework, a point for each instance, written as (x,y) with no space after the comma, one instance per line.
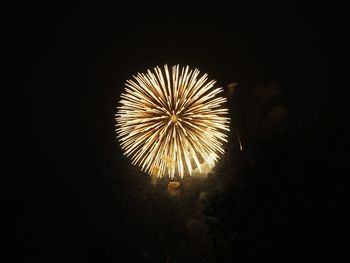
(173,118)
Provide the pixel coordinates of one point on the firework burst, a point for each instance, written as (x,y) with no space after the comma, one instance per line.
(171,123)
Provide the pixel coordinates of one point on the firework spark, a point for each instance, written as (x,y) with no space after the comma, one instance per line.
(171,122)
(239,140)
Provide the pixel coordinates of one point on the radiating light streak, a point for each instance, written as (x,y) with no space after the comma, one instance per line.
(239,140)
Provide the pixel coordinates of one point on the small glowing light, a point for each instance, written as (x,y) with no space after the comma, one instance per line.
(239,141)
(173,118)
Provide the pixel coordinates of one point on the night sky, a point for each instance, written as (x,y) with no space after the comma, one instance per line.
(71,195)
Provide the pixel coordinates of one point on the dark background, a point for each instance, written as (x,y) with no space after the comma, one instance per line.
(71,195)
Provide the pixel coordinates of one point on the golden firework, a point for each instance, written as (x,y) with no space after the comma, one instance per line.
(171,122)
